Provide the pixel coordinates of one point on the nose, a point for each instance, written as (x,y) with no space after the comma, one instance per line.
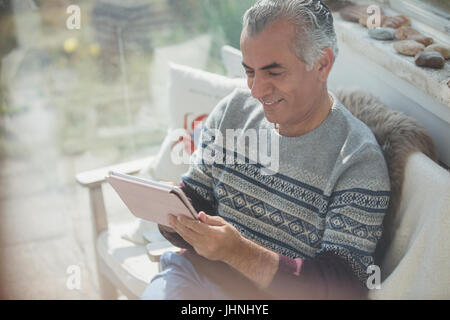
(259,87)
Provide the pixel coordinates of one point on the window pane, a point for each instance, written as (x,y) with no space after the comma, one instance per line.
(104,84)
(439,6)
(74,99)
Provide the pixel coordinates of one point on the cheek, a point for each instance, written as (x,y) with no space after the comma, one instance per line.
(289,85)
(296,94)
(290,89)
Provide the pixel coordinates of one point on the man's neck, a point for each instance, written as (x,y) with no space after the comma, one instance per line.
(314,119)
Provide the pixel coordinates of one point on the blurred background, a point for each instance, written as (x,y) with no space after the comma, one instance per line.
(77,99)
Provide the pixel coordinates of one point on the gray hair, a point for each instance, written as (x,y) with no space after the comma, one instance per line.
(313,21)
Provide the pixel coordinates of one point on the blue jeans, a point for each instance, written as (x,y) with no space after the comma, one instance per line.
(179,280)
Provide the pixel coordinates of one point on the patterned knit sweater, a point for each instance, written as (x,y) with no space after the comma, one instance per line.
(322,194)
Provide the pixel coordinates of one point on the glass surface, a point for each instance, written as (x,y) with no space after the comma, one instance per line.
(83,84)
(97,70)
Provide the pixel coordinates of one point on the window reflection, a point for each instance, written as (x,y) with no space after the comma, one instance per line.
(101,84)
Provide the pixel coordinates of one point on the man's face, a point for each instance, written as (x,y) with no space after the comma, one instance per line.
(277,77)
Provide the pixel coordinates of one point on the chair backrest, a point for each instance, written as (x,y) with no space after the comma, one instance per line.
(414,251)
(416,264)
(232,60)
(399,136)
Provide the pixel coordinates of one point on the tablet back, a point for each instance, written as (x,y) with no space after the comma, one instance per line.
(152,202)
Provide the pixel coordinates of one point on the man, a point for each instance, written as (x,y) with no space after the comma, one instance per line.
(309,229)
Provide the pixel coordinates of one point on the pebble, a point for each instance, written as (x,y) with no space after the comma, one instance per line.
(408,47)
(404,32)
(429,59)
(382,33)
(396,22)
(426,41)
(442,49)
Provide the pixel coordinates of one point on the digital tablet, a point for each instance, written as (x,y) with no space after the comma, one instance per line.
(151,200)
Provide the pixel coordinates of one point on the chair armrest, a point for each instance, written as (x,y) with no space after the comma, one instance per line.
(96,177)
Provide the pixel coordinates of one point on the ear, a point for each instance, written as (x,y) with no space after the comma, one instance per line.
(324,64)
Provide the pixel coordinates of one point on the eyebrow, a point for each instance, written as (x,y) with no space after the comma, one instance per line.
(269,66)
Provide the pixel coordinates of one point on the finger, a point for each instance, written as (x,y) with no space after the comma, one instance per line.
(195,225)
(202,216)
(211,220)
(172,220)
(184,230)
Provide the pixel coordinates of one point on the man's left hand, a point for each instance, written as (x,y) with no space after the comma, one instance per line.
(211,236)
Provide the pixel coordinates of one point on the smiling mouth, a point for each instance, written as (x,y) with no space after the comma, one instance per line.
(270,103)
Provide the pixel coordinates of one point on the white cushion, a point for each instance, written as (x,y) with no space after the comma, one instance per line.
(193,94)
(194,53)
(417,262)
(163,168)
(232,59)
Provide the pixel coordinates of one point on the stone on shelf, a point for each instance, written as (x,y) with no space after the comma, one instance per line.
(429,59)
(442,49)
(404,32)
(426,41)
(396,22)
(408,47)
(382,33)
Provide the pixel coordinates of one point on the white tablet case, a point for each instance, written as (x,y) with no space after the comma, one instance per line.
(150,200)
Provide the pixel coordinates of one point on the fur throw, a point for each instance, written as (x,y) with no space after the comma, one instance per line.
(398,136)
